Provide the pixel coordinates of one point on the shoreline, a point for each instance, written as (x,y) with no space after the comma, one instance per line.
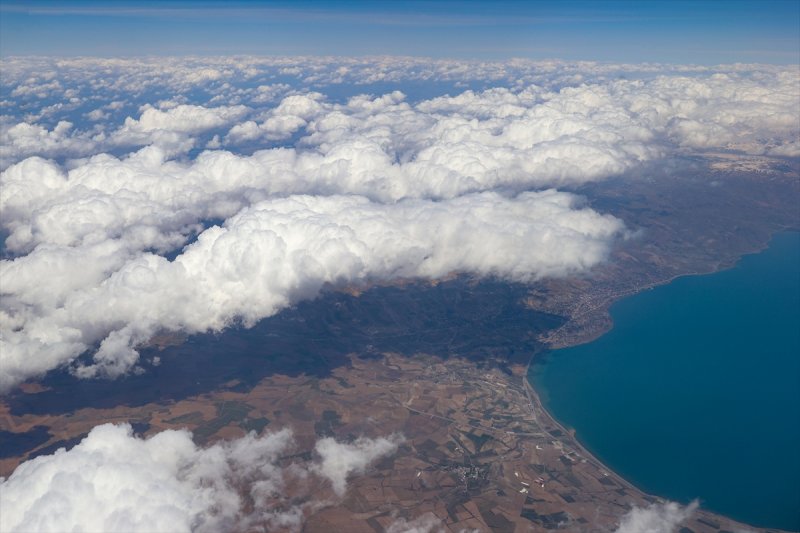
(571,436)
(536,403)
(602,311)
(582,335)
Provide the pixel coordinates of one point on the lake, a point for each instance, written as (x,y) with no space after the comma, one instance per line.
(695,392)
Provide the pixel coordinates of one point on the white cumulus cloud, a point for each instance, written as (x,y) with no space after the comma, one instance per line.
(114,481)
(23,139)
(425,523)
(339,460)
(657,518)
(184,118)
(268,257)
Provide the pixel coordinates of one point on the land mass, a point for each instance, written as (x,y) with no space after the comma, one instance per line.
(443,363)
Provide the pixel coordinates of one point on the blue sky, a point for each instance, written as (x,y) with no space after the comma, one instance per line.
(677,31)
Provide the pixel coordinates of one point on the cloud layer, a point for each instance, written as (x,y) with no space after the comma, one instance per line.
(114,481)
(205,192)
(612,122)
(61,300)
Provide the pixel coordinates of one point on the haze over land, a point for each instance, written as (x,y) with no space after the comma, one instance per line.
(147,199)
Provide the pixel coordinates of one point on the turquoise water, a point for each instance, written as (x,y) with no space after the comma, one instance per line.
(695,392)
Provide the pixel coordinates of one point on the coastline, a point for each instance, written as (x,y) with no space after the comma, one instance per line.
(536,405)
(583,335)
(453,400)
(601,310)
(568,434)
